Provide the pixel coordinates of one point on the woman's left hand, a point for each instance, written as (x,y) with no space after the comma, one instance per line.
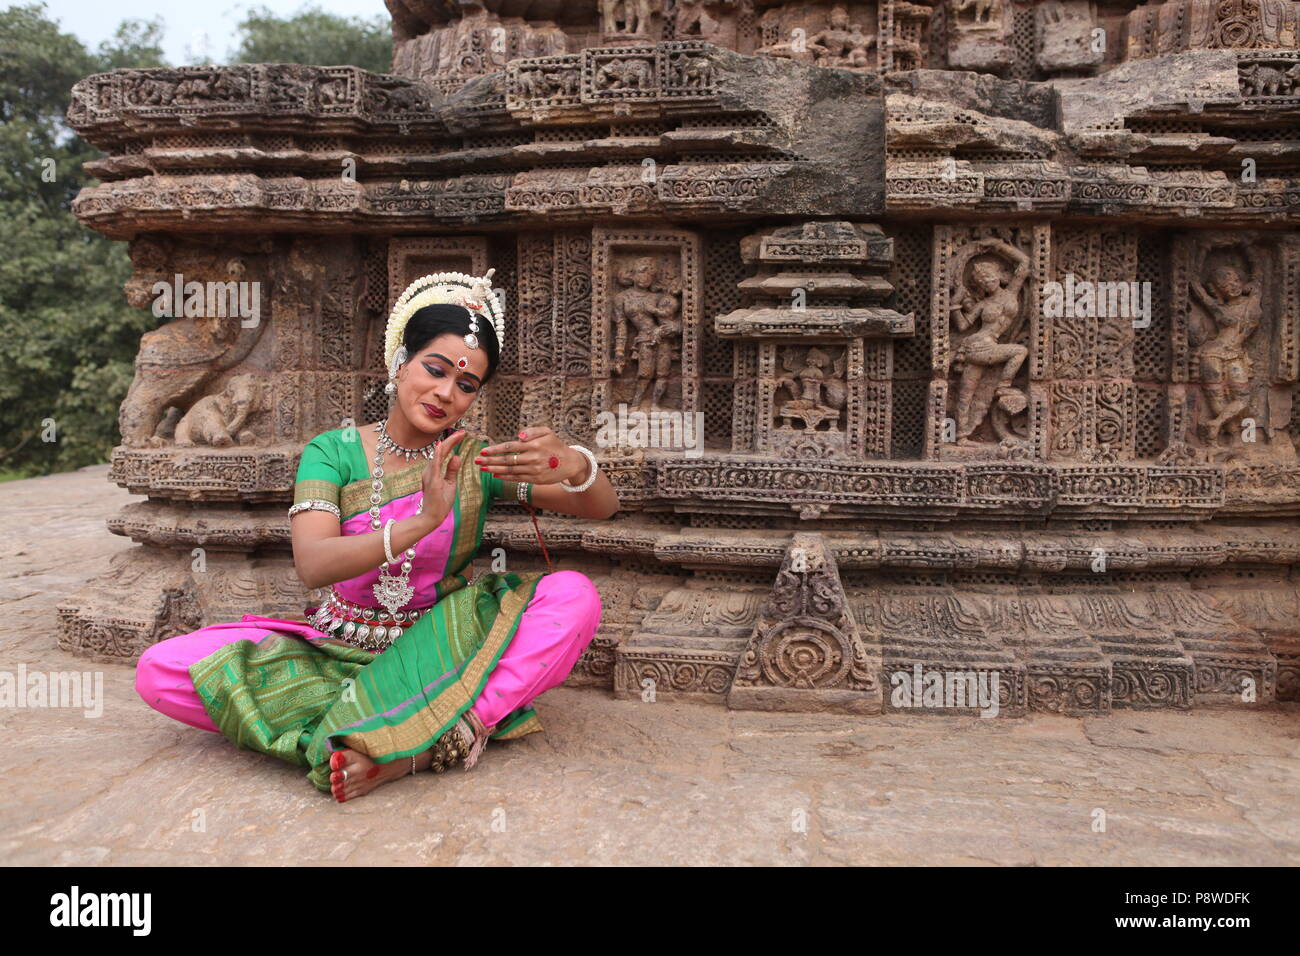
(539,456)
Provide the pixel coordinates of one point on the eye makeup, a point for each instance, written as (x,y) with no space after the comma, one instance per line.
(468,387)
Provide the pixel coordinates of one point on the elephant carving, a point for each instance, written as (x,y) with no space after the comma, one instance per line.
(223,419)
(175,365)
(1260,80)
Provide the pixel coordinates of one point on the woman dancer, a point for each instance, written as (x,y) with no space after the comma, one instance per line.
(402,670)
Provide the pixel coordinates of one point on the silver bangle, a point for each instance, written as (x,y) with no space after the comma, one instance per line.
(388,541)
(590,478)
(523,493)
(316,504)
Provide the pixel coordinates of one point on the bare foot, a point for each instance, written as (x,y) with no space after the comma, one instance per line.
(355,775)
(363,774)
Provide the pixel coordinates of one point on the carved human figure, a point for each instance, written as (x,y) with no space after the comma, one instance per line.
(859,44)
(193,90)
(1055,12)
(833,43)
(690,17)
(985,10)
(232,86)
(644,10)
(219,420)
(611,14)
(150,91)
(631,17)
(1234,312)
(995,306)
(334,91)
(694,19)
(653,316)
(809,380)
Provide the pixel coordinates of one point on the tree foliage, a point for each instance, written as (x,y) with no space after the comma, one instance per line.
(315,37)
(67,337)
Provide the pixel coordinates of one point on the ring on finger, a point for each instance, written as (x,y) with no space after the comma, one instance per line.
(345,778)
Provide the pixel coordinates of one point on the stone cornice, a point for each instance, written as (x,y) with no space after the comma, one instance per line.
(386,149)
(1009,551)
(1026,489)
(1108,190)
(742,484)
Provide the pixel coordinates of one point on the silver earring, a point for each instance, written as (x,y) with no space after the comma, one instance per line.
(399,358)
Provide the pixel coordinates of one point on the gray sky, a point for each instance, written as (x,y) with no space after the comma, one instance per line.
(186,23)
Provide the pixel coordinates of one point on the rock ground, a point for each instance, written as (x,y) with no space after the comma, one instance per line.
(617,781)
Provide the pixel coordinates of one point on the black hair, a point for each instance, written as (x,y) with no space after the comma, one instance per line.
(441,318)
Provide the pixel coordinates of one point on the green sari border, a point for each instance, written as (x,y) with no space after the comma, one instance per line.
(354,497)
(526,723)
(407,738)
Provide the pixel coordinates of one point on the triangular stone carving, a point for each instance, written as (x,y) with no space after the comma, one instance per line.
(806,652)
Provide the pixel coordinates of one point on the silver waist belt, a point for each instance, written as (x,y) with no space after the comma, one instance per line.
(370,628)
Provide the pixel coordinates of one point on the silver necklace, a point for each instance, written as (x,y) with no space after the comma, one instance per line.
(393,592)
(386,442)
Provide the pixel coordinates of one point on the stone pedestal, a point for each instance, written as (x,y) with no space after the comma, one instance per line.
(806,651)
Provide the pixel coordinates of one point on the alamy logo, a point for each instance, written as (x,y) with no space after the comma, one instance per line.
(940,688)
(208,300)
(1098,300)
(103,909)
(74,689)
(674,431)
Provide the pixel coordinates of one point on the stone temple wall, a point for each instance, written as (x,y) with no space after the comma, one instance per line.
(846,226)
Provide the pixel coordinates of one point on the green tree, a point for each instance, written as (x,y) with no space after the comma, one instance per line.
(67,337)
(315,37)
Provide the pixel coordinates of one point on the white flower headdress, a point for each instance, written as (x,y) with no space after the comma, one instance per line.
(448,288)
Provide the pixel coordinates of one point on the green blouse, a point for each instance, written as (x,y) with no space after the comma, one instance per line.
(333,468)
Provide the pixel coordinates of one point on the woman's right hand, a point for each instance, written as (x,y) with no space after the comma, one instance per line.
(440,486)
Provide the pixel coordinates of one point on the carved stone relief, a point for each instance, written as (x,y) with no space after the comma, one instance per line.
(985,311)
(806,651)
(645,319)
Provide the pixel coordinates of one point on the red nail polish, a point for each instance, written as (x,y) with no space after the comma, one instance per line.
(521,436)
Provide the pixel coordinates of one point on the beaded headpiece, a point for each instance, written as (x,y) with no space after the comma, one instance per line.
(447,288)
